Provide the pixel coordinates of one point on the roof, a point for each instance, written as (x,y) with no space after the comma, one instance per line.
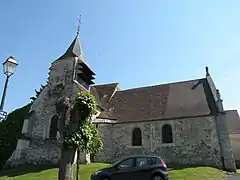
(104,93)
(233,121)
(74,50)
(173,100)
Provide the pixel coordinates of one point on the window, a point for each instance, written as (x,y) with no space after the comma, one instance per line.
(141,161)
(167,134)
(137,137)
(126,163)
(151,160)
(53,127)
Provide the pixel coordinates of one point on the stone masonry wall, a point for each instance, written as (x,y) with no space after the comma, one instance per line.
(41,149)
(43,152)
(195,141)
(107,134)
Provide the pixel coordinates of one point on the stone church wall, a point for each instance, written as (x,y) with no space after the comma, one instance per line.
(235,142)
(43,152)
(195,141)
(41,149)
(107,131)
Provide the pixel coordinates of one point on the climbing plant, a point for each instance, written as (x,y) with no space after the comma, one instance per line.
(86,137)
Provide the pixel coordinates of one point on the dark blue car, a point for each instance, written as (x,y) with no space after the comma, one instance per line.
(134,168)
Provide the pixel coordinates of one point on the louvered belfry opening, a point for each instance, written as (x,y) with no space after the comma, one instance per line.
(85,75)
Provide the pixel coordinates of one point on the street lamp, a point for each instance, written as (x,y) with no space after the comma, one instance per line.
(9,67)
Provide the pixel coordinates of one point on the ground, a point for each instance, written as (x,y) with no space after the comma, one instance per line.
(40,172)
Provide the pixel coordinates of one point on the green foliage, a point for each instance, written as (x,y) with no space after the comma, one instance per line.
(10,131)
(86,137)
(86,104)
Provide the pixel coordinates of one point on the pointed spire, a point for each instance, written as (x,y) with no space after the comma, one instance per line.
(207,71)
(74,49)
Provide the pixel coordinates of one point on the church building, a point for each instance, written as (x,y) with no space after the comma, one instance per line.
(184,122)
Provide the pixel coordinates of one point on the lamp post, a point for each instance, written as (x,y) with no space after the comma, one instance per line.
(9,67)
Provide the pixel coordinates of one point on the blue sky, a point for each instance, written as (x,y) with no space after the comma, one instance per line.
(133,42)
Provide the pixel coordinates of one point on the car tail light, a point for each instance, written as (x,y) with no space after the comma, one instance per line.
(162,163)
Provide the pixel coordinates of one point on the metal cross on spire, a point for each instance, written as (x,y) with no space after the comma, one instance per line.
(79,24)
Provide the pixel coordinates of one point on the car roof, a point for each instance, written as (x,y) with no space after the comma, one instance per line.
(139,156)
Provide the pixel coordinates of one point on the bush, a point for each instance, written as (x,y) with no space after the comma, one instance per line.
(10,132)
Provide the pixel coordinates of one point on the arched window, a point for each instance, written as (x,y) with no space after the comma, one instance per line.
(53,127)
(167,134)
(137,137)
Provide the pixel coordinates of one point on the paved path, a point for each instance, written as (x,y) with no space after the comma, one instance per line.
(234,177)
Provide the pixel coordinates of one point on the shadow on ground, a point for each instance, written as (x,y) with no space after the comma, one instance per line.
(180,167)
(21,170)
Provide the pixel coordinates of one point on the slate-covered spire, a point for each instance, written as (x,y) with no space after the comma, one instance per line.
(74,49)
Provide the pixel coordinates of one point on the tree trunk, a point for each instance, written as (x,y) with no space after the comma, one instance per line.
(67,154)
(78,162)
(66,164)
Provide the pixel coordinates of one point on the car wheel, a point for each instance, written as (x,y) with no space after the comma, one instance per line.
(156,177)
(105,178)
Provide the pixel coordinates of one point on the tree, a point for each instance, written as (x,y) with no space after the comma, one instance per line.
(76,130)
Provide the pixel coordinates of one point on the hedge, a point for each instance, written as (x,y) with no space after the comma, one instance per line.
(10,131)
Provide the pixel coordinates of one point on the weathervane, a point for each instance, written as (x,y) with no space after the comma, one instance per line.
(79,23)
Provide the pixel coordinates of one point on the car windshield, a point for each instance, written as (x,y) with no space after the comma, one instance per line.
(114,164)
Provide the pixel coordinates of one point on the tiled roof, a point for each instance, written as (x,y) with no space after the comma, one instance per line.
(174,100)
(104,93)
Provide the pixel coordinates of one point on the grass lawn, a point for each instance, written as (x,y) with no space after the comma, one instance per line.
(39,173)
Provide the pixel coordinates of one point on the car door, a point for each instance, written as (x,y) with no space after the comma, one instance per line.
(143,170)
(124,170)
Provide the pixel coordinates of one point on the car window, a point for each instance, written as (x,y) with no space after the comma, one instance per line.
(141,161)
(151,160)
(126,163)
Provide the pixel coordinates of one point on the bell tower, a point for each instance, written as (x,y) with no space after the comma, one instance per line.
(83,75)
